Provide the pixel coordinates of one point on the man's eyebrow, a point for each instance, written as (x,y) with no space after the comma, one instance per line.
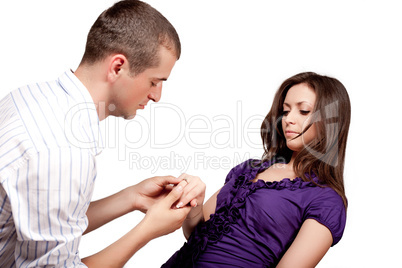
(160,79)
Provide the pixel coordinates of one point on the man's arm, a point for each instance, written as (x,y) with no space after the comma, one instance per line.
(162,218)
(138,197)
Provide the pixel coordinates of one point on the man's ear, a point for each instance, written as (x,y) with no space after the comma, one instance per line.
(118,64)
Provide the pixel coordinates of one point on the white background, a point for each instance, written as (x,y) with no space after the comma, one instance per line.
(235,55)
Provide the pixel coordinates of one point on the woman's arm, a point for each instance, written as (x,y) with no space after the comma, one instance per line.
(199,214)
(210,205)
(311,243)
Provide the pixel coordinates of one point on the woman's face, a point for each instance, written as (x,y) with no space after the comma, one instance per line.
(297,110)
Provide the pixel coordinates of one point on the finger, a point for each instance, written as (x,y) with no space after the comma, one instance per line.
(174,195)
(184,176)
(194,203)
(166,180)
(182,212)
(169,187)
(184,185)
(191,192)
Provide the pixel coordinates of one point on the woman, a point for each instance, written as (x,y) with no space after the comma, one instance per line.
(289,208)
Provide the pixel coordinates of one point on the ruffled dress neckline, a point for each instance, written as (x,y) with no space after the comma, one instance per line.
(227,212)
(260,167)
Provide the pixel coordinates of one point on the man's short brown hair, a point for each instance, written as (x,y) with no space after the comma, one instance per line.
(134,29)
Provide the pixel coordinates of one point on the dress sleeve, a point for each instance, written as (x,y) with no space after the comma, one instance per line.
(49,196)
(329,210)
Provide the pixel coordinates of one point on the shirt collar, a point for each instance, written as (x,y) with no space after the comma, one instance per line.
(84,103)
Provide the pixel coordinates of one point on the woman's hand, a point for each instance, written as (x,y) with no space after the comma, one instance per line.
(193,196)
(194,191)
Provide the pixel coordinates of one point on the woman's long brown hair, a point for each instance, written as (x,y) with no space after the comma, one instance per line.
(325,155)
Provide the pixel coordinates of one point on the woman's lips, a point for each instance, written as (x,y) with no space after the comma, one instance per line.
(291,133)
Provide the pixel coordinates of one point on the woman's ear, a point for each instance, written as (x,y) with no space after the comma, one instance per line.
(118,64)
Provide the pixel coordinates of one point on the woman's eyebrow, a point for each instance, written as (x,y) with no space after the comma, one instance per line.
(298,104)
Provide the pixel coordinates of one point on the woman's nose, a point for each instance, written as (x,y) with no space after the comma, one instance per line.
(289,119)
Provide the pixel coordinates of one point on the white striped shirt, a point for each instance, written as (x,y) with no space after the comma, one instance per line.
(49,137)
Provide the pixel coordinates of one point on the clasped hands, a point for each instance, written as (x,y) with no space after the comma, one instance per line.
(168,201)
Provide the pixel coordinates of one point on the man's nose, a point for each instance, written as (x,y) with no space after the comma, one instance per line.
(156,94)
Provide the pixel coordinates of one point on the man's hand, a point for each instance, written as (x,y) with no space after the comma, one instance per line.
(146,193)
(163,217)
(149,191)
(142,196)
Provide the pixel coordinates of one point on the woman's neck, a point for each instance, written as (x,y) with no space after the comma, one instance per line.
(292,159)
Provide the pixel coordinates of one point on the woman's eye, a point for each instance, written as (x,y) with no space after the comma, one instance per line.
(285,113)
(303,112)
(153,84)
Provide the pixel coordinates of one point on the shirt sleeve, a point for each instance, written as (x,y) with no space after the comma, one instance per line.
(49,196)
(329,210)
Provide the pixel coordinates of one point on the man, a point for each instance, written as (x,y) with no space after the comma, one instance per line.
(49,137)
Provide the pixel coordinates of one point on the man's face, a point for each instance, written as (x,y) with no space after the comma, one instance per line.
(131,93)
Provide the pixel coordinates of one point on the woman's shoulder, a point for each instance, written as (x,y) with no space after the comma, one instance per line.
(243,168)
(248,165)
(322,194)
(327,207)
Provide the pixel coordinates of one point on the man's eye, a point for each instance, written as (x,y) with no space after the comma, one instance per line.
(153,84)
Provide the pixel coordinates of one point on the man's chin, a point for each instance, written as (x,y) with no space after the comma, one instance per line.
(129,117)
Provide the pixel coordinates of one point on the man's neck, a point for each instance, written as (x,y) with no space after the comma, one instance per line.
(95,82)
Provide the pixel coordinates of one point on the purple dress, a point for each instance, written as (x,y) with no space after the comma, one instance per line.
(255,223)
